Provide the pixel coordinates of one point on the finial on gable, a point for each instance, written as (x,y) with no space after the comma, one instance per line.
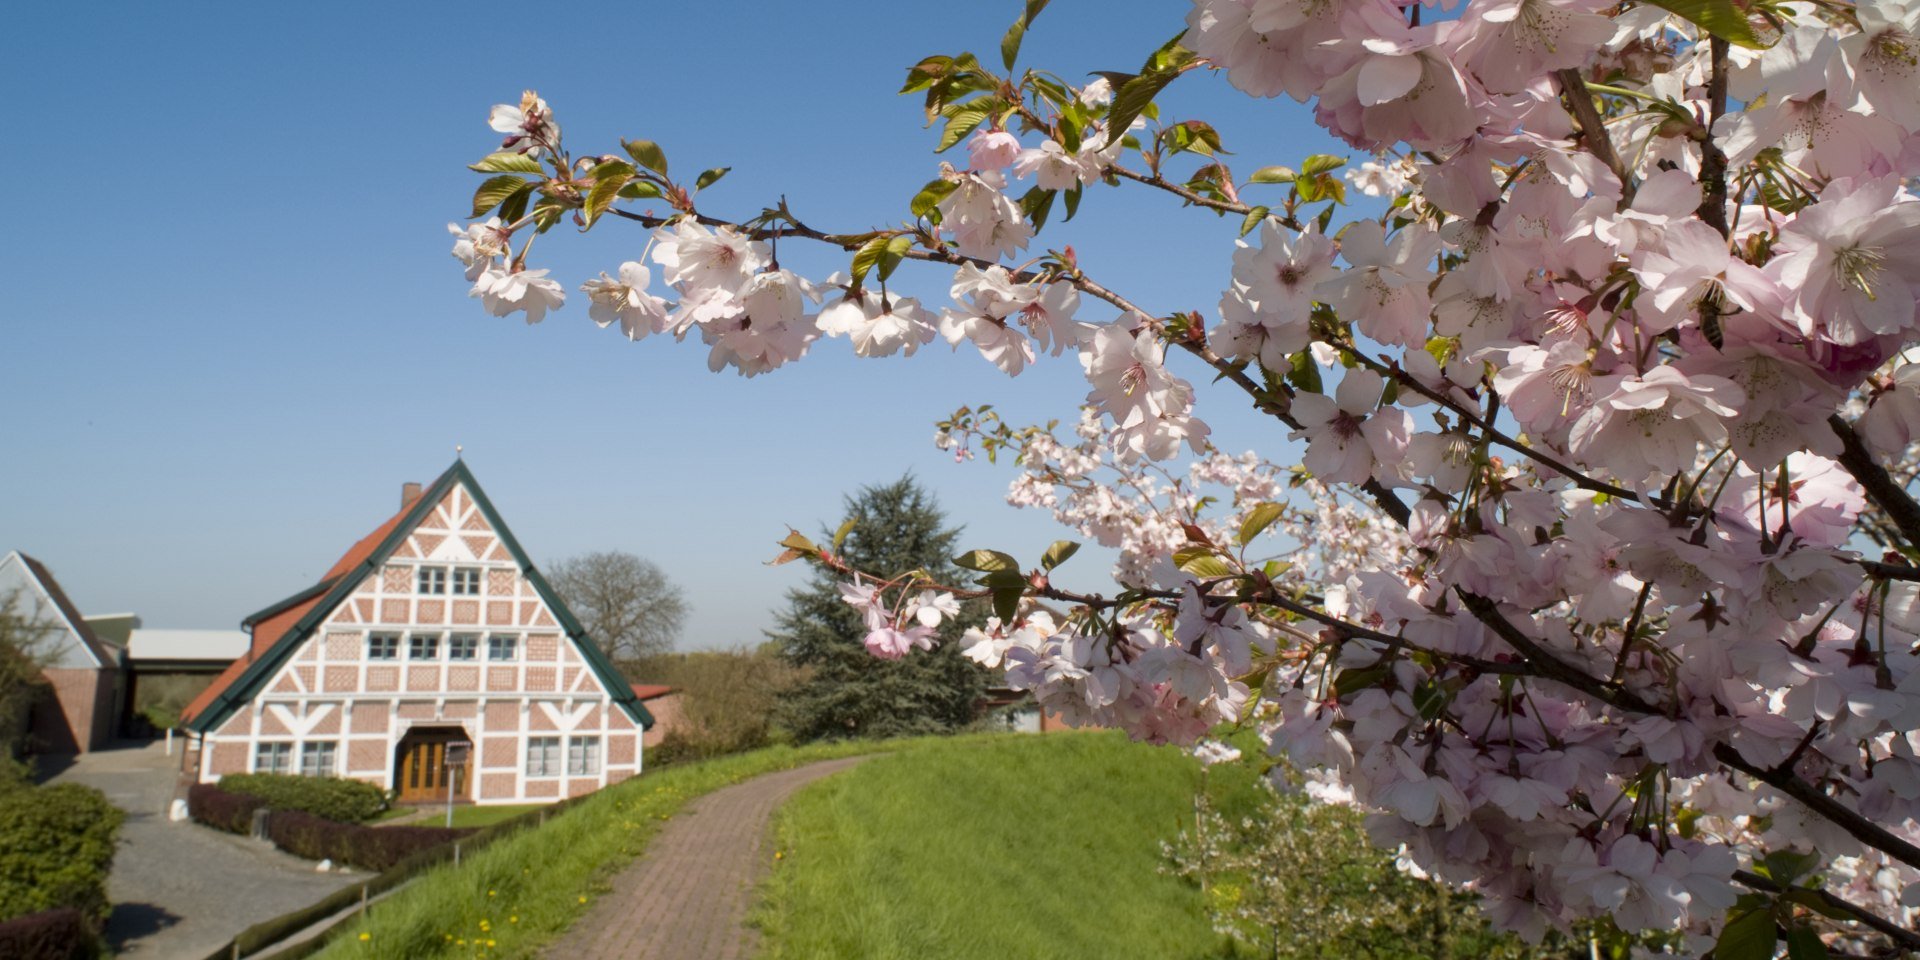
(457,451)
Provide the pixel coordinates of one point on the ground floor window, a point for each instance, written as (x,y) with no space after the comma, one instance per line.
(543,756)
(583,756)
(273,757)
(316,759)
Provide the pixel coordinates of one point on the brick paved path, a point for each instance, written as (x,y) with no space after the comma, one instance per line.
(687,897)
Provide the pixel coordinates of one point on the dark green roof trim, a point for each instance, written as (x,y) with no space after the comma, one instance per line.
(293,601)
(249,684)
(616,685)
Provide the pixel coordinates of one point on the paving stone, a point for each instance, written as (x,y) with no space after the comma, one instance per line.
(688,895)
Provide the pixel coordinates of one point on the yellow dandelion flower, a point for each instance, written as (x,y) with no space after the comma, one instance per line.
(491,943)
(513,919)
(583,899)
(366,936)
(777,855)
(489,893)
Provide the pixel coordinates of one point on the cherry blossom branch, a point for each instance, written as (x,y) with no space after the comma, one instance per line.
(1886,493)
(1846,818)
(1593,130)
(1907,939)
(1492,432)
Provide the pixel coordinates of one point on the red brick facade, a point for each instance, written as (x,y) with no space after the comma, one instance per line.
(79,712)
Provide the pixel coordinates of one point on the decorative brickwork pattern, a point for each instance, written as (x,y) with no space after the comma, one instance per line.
(370,716)
(366,756)
(228,758)
(503,716)
(500,752)
(497,786)
(422,679)
(383,679)
(342,679)
(464,679)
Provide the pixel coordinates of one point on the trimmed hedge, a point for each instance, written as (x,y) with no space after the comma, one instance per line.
(335,798)
(56,845)
(369,848)
(61,934)
(221,810)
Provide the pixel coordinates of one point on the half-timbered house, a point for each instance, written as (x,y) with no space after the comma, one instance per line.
(434,638)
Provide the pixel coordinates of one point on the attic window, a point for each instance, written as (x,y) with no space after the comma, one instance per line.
(432,580)
(466,581)
(423,646)
(463,646)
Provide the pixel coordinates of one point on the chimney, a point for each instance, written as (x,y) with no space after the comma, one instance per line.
(409,492)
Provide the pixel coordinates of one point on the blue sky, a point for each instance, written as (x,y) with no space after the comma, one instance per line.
(234,328)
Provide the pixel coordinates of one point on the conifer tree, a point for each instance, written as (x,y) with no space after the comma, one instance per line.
(848,692)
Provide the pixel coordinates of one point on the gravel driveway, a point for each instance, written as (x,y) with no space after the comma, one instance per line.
(180,890)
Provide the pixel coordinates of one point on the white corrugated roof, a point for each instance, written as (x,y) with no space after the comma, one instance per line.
(223,645)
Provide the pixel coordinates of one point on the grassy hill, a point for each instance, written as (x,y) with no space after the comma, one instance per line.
(1005,847)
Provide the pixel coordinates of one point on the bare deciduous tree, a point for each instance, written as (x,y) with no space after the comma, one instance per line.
(627,603)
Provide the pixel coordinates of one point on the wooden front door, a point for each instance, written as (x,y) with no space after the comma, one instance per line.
(424,775)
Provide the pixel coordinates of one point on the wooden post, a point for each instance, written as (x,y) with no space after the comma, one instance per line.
(456,853)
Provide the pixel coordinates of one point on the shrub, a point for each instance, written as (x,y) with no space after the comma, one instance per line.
(59,934)
(221,810)
(335,798)
(725,701)
(369,848)
(56,845)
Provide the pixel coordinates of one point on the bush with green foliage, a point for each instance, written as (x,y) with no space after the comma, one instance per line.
(726,700)
(335,798)
(848,692)
(1294,877)
(56,846)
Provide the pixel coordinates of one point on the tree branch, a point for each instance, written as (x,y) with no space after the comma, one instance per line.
(1906,938)
(1887,494)
(1593,129)
(1841,815)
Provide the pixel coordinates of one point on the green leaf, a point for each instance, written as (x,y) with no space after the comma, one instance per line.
(1058,553)
(930,196)
(1749,936)
(1305,373)
(515,206)
(506,161)
(647,154)
(1010,44)
(1036,204)
(606,188)
(867,256)
(1258,520)
(895,252)
(1131,99)
(1201,562)
(988,561)
(1007,588)
(962,119)
(1273,175)
(640,190)
(710,177)
(840,535)
(1073,202)
(795,540)
(924,73)
(1786,867)
(1320,163)
(496,190)
(1252,220)
(1804,943)
(1722,18)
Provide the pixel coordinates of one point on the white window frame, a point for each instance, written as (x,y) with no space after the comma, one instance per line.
(472,641)
(583,756)
(326,751)
(375,645)
(498,641)
(468,577)
(277,755)
(545,757)
(430,581)
(413,645)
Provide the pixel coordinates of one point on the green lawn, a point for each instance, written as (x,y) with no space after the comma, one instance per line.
(519,893)
(391,813)
(993,848)
(469,815)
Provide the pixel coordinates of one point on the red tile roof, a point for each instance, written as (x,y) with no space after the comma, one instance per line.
(648,691)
